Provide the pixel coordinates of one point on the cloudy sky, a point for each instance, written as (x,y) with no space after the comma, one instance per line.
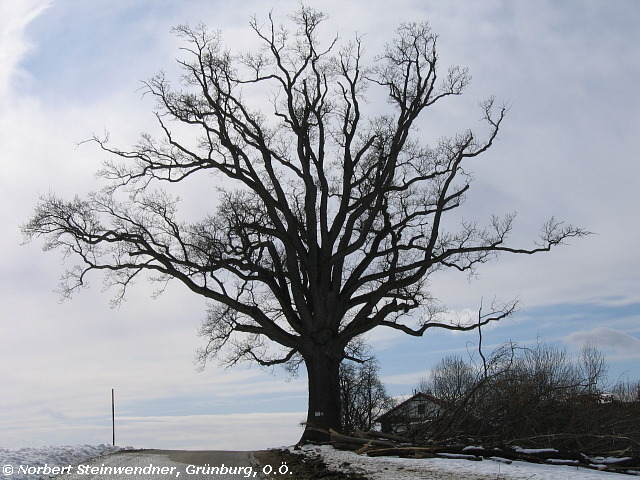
(569,148)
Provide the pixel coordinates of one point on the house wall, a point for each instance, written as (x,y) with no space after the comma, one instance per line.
(414,411)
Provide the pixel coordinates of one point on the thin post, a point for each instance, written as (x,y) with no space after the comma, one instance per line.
(113,417)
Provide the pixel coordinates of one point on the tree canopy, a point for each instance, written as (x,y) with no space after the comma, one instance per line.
(327,223)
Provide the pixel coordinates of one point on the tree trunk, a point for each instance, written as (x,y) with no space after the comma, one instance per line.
(324,395)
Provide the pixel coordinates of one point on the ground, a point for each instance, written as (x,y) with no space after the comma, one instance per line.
(301,467)
(312,462)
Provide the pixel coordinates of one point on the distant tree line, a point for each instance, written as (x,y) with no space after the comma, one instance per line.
(536,396)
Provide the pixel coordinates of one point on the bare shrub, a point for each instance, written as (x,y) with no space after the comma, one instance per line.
(537,397)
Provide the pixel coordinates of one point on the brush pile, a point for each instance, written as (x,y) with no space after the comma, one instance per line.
(377,444)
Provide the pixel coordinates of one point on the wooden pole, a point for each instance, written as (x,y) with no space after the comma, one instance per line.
(113,417)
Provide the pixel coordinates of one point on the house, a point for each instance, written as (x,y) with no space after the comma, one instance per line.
(418,409)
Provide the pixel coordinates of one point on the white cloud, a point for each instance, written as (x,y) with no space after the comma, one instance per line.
(605,337)
(405,379)
(14,18)
(250,431)
(223,432)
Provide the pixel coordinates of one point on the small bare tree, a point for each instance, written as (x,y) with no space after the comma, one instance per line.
(593,368)
(627,391)
(363,396)
(332,222)
(450,379)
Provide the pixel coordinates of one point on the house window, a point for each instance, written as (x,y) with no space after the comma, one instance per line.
(422,409)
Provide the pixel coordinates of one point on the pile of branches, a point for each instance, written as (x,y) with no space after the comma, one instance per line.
(576,423)
(538,397)
(376,444)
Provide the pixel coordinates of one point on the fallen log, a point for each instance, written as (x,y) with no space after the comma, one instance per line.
(340,438)
(387,436)
(459,456)
(421,452)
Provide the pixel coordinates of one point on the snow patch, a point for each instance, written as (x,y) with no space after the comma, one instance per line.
(393,468)
(53,456)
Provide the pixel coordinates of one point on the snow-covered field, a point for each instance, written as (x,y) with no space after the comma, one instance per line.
(24,463)
(392,468)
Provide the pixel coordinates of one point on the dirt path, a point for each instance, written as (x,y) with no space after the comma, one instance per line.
(167,465)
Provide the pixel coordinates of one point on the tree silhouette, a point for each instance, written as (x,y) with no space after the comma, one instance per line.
(363,397)
(330,221)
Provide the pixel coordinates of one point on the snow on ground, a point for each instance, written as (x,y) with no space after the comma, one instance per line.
(393,468)
(23,463)
(375,468)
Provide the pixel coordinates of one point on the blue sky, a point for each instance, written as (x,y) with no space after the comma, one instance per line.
(569,148)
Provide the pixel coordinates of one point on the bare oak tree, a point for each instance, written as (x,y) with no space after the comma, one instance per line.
(331,221)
